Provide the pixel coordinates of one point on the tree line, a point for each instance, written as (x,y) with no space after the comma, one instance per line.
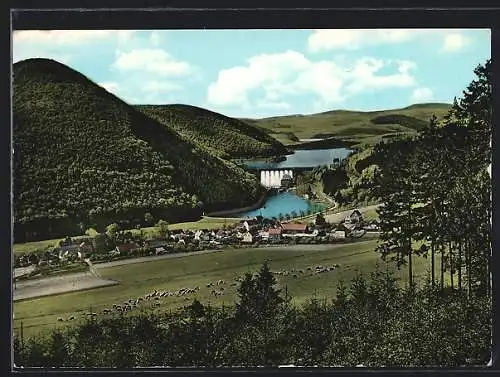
(436,193)
(374,322)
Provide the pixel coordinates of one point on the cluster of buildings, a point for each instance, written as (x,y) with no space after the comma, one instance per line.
(248,231)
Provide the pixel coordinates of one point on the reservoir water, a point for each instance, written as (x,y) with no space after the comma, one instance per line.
(286,202)
(282,203)
(305,158)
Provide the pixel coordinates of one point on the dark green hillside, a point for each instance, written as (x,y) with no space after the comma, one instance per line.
(223,135)
(352,127)
(85,158)
(402,120)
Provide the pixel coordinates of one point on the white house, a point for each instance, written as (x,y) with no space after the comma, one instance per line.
(247,237)
(198,234)
(338,235)
(264,235)
(354,217)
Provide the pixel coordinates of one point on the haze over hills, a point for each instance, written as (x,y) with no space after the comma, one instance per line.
(224,136)
(83,157)
(352,127)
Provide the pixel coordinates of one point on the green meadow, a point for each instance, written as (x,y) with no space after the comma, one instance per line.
(198,270)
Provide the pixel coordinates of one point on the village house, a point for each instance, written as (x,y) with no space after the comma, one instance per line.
(355,217)
(338,235)
(293,228)
(72,251)
(201,235)
(126,248)
(158,246)
(264,235)
(220,234)
(274,235)
(247,237)
(249,224)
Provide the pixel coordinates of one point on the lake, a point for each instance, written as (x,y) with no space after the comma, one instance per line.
(305,158)
(282,203)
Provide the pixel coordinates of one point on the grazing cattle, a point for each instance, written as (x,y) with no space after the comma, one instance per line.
(71,318)
(301,271)
(295,276)
(308,268)
(60,319)
(209,285)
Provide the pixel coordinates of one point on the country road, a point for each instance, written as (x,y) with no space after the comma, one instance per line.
(184,255)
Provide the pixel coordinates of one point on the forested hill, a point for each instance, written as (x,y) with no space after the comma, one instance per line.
(83,158)
(214,131)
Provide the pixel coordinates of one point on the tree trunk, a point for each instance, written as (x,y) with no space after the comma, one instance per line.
(410,251)
(442,265)
(433,268)
(468,269)
(460,265)
(452,269)
(410,264)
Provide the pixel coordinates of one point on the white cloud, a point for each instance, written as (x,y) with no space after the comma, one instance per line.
(274,77)
(454,42)
(19,54)
(66,46)
(422,94)
(365,77)
(155,61)
(273,105)
(110,86)
(155,38)
(68,37)
(160,86)
(266,70)
(354,39)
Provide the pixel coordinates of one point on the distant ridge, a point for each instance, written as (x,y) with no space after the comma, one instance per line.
(349,126)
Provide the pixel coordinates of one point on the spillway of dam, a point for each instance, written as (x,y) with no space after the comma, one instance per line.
(272,178)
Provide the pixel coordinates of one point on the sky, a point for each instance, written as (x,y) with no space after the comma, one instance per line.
(264,73)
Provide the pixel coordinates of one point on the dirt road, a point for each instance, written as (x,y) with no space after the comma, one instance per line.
(58,284)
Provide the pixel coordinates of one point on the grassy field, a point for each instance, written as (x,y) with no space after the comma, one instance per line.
(355,126)
(28,247)
(199,270)
(206,223)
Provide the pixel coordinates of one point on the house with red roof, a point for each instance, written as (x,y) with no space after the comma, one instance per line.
(293,228)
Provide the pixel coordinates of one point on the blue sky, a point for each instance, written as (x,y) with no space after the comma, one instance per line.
(262,73)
